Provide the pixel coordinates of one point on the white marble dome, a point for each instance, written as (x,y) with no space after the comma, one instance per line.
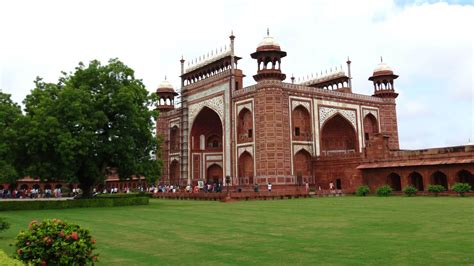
(382,67)
(268,40)
(165,85)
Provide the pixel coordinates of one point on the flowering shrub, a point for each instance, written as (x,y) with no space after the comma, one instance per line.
(54,242)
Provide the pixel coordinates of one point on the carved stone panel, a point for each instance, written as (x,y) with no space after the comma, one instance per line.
(326,112)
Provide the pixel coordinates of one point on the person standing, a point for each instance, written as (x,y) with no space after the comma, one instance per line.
(269,186)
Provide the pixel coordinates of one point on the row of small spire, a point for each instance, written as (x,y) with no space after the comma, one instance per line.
(322,75)
(210,56)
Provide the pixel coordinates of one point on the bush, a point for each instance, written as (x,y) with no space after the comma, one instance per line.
(363,191)
(384,191)
(4,225)
(461,188)
(435,189)
(54,242)
(6,260)
(410,191)
(78,203)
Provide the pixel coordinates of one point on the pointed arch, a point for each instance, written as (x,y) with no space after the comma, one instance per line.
(174,139)
(464,176)
(394,181)
(245,168)
(338,136)
(301,121)
(214,174)
(174,173)
(416,179)
(370,126)
(302,164)
(207,123)
(244,126)
(439,178)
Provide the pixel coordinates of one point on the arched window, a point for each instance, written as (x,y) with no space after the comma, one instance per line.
(214,174)
(174,139)
(245,168)
(245,126)
(206,123)
(394,181)
(465,176)
(301,124)
(370,126)
(174,173)
(214,142)
(302,164)
(415,179)
(338,136)
(439,178)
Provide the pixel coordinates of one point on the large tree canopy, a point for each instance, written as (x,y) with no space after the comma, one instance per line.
(94,119)
(10,114)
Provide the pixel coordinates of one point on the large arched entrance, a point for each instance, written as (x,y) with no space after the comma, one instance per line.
(245,126)
(415,179)
(245,168)
(301,124)
(174,173)
(207,127)
(394,181)
(370,126)
(205,141)
(302,166)
(439,178)
(338,136)
(465,176)
(214,174)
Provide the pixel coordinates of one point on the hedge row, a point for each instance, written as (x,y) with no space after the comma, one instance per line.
(78,203)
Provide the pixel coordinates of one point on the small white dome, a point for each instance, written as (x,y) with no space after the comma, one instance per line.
(382,67)
(268,40)
(165,85)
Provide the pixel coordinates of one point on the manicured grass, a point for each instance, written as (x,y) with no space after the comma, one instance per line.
(341,230)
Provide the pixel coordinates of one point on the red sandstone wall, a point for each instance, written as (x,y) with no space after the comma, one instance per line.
(272,135)
(388,124)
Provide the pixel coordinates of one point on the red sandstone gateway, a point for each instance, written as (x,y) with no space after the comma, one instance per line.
(314,130)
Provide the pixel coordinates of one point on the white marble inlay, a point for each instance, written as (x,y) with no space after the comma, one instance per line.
(299,147)
(295,104)
(370,111)
(216,104)
(248,149)
(326,112)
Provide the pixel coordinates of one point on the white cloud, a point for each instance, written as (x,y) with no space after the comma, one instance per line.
(429,45)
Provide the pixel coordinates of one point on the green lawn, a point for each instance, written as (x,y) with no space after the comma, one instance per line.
(341,230)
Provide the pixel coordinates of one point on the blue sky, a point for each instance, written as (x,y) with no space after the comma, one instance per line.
(428,43)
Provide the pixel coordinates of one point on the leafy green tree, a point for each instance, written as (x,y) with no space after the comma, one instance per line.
(97,118)
(10,113)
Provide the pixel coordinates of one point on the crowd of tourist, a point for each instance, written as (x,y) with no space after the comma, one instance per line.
(31,193)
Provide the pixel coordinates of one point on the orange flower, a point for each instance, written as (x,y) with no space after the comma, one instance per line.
(32,223)
(74,235)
